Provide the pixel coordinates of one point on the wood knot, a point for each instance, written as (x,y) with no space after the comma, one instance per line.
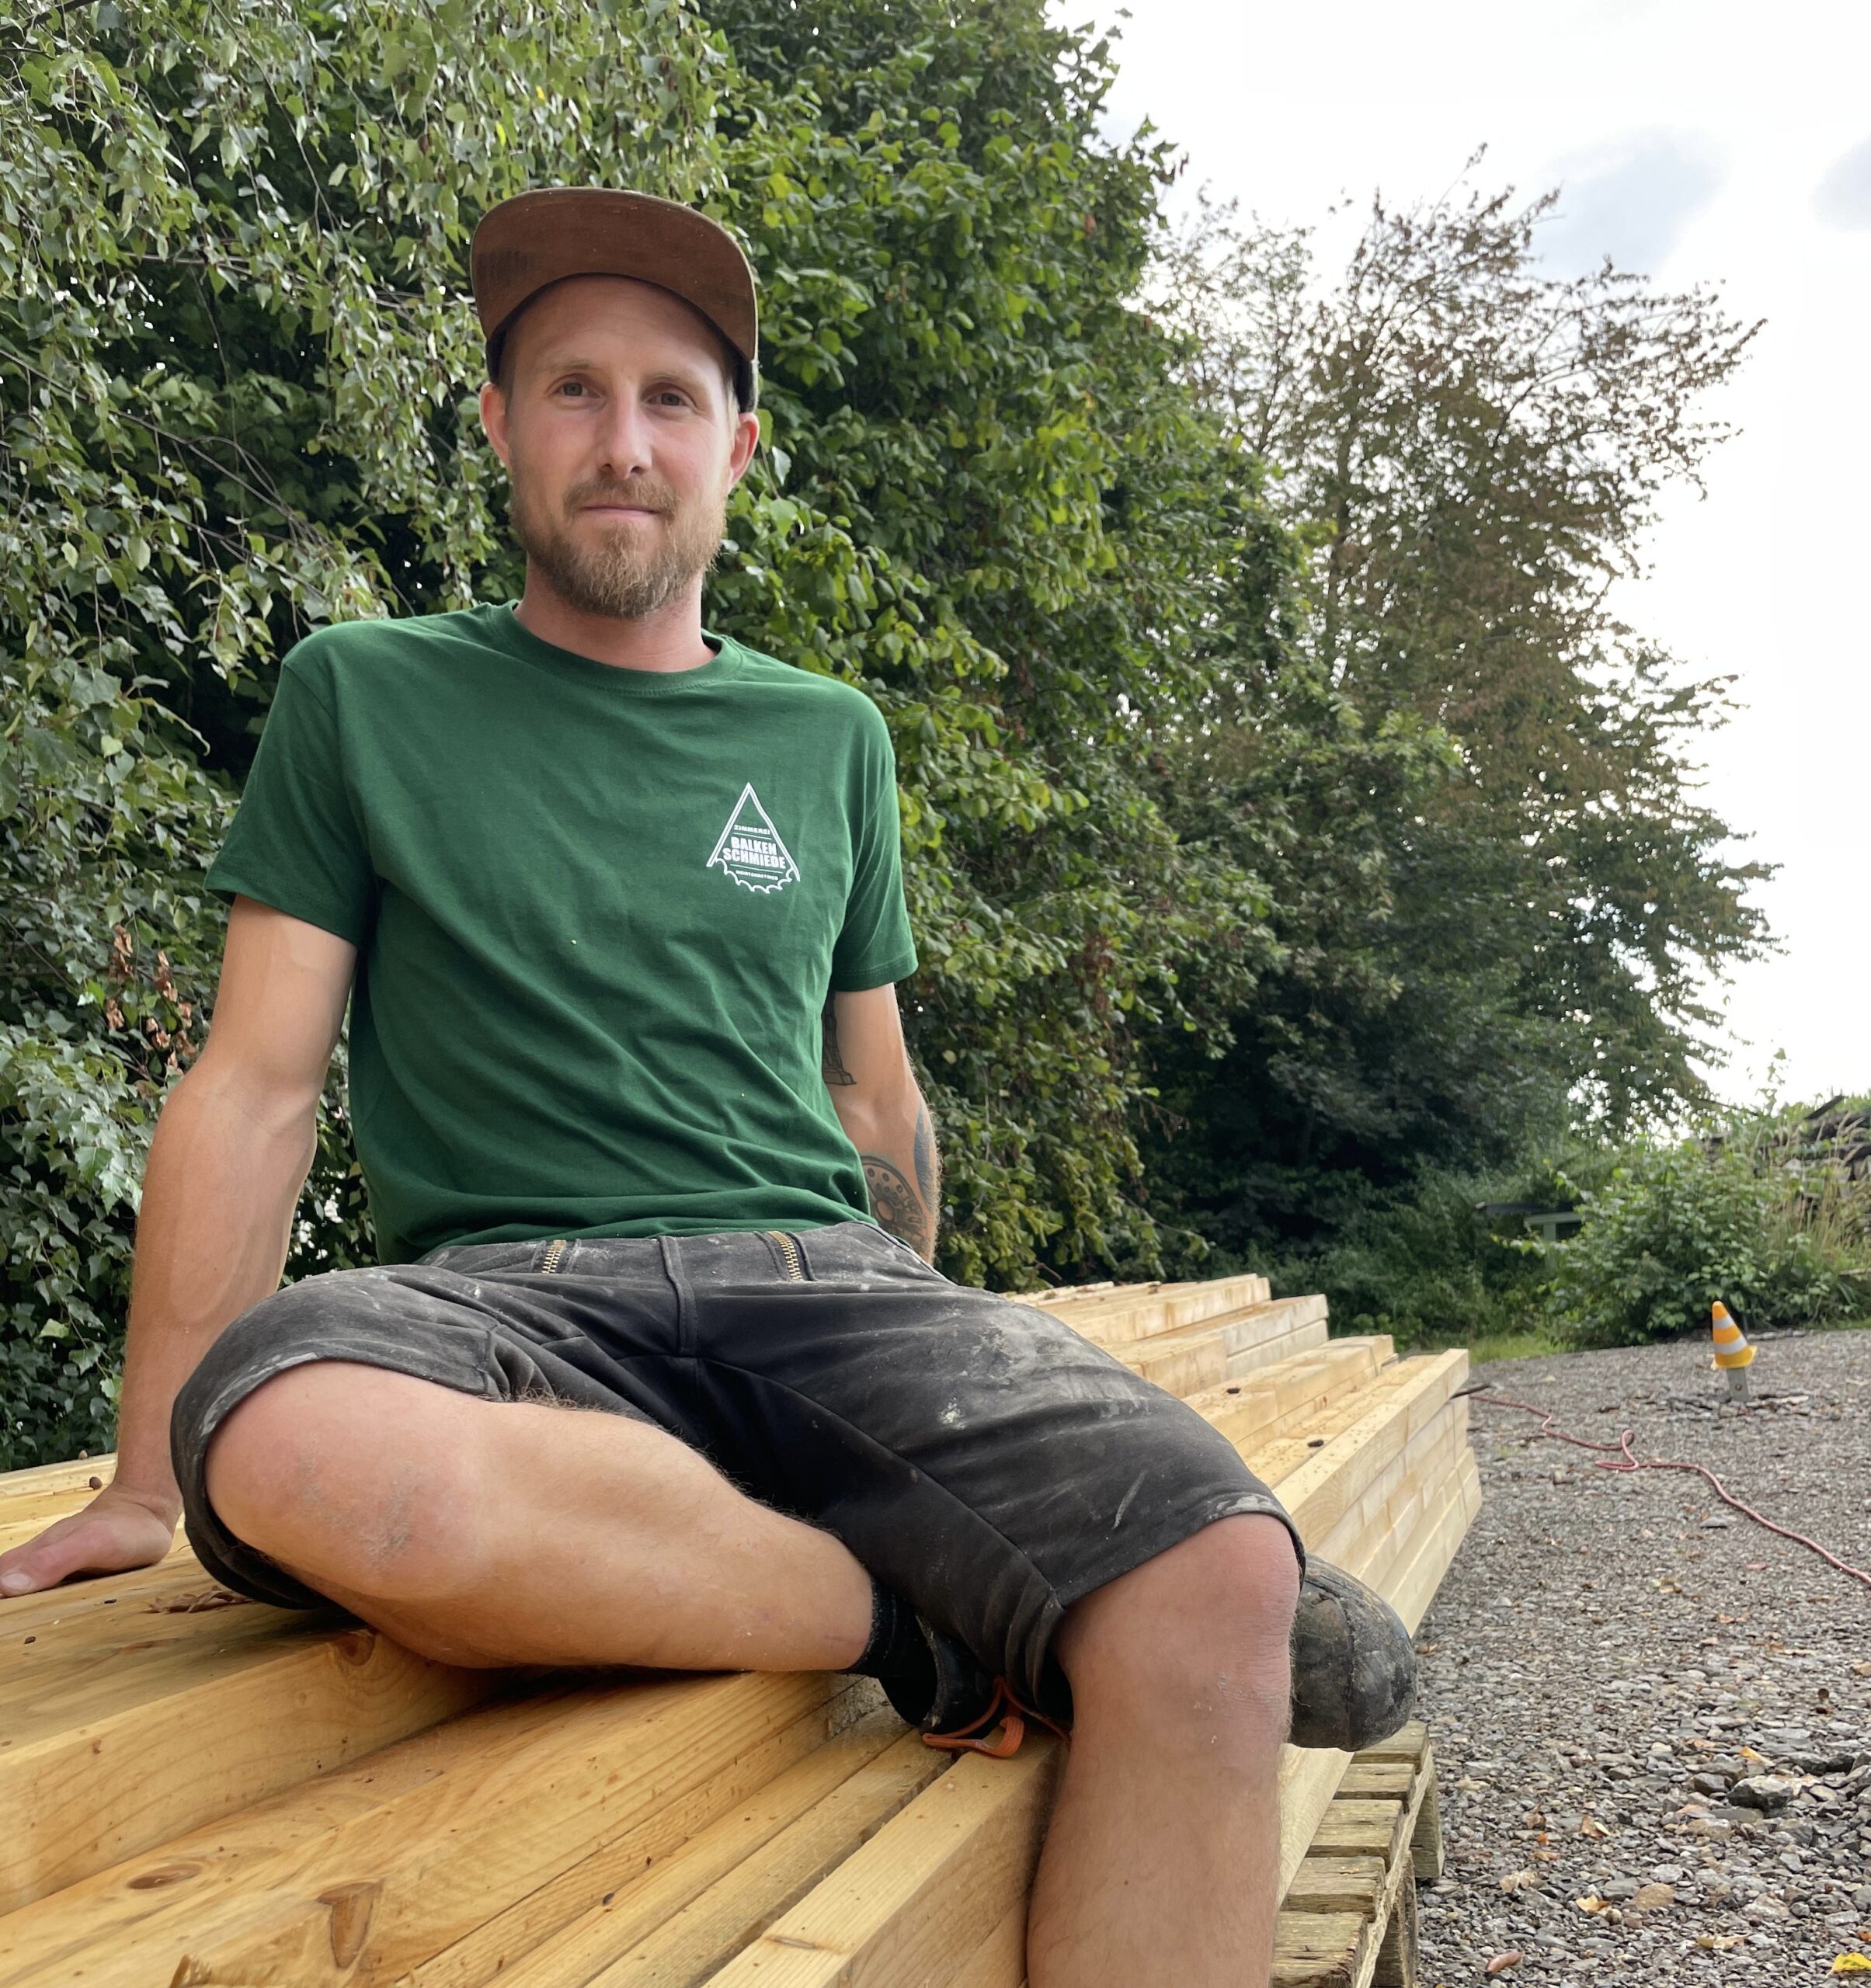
(351,1906)
(164,1874)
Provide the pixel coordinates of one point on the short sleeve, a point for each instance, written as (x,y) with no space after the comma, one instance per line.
(875,946)
(296,842)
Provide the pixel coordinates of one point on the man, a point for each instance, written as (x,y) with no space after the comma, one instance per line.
(617,904)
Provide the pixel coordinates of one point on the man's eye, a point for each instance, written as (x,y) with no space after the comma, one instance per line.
(564,384)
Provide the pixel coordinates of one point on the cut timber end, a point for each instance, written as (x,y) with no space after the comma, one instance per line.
(1349,1918)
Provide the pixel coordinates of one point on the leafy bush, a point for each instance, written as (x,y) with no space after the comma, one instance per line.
(1423,1264)
(233,352)
(1741,1215)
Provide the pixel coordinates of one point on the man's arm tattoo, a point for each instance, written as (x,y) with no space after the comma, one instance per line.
(927,1171)
(910,1212)
(831,1064)
(897,1205)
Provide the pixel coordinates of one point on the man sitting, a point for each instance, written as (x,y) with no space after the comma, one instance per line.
(656,1369)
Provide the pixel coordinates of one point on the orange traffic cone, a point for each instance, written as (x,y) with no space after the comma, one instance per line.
(1733,1353)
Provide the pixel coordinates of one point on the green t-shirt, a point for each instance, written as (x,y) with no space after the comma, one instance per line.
(597,912)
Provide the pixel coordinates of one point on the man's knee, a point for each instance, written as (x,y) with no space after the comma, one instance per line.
(1199,1634)
(351,1473)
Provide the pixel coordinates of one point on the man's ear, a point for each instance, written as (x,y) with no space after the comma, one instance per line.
(493,418)
(746,440)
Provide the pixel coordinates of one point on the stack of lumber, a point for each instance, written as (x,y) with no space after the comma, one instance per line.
(1349,1919)
(197,1789)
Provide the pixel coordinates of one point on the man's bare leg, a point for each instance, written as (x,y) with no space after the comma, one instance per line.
(1160,1868)
(509,1533)
(488,1533)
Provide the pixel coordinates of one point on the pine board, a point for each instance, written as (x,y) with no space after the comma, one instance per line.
(369,1870)
(1226,1348)
(1118,1315)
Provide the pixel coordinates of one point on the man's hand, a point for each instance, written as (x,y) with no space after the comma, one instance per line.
(116,1530)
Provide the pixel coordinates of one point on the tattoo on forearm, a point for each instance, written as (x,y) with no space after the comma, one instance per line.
(897,1205)
(831,1064)
(928,1172)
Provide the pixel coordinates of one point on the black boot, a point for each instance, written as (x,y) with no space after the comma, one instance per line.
(1354,1663)
(959,1694)
(1354,1675)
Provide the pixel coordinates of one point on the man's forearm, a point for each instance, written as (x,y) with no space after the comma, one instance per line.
(219,1192)
(901,1170)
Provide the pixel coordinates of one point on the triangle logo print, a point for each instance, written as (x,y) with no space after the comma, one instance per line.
(750,850)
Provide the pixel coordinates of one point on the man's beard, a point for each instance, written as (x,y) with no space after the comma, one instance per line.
(611,570)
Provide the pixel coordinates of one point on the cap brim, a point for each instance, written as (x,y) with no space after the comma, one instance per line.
(539,238)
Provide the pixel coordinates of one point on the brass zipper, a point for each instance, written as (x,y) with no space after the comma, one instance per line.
(555,1251)
(791,1252)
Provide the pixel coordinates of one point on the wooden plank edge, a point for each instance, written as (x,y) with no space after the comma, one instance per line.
(1386,1936)
(442,1831)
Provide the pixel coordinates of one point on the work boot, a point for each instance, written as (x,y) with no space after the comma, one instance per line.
(1354,1676)
(1354,1663)
(963,1690)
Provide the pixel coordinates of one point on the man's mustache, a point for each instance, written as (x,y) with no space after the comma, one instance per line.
(646,496)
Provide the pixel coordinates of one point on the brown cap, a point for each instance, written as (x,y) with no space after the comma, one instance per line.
(535,238)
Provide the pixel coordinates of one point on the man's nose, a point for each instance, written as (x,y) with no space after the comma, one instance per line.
(623,441)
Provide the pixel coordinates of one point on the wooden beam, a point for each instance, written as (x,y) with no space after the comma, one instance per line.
(689,1913)
(126,1754)
(403,1859)
(1277,1459)
(1331,1481)
(366,1872)
(1291,1396)
(908,1907)
(1129,1312)
(1221,1350)
(178,1574)
(130,1726)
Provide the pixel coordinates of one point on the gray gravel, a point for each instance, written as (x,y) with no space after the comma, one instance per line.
(1617,1667)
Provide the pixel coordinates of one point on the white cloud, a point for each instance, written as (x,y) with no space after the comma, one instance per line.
(1631,200)
(1844,196)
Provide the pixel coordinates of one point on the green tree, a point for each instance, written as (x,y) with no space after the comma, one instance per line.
(1514,926)
(1032,526)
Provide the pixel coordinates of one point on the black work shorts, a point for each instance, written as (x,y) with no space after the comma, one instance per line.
(974,1453)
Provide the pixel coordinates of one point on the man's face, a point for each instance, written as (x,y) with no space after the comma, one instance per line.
(622,439)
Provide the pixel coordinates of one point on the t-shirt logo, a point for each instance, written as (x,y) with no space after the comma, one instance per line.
(750,850)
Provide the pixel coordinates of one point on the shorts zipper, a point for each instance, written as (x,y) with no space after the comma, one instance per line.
(554,1256)
(791,1254)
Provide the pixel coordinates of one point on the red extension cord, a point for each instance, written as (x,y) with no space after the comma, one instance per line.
(1626,1462)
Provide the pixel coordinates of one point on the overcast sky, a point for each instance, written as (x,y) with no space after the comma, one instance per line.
(1693,144)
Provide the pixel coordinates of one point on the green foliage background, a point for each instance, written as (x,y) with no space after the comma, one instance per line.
(1162,844)
(1754,1210)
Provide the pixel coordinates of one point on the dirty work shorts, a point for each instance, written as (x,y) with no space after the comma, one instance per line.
(974,1453)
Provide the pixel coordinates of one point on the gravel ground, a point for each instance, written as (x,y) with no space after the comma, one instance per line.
(1618,1667)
